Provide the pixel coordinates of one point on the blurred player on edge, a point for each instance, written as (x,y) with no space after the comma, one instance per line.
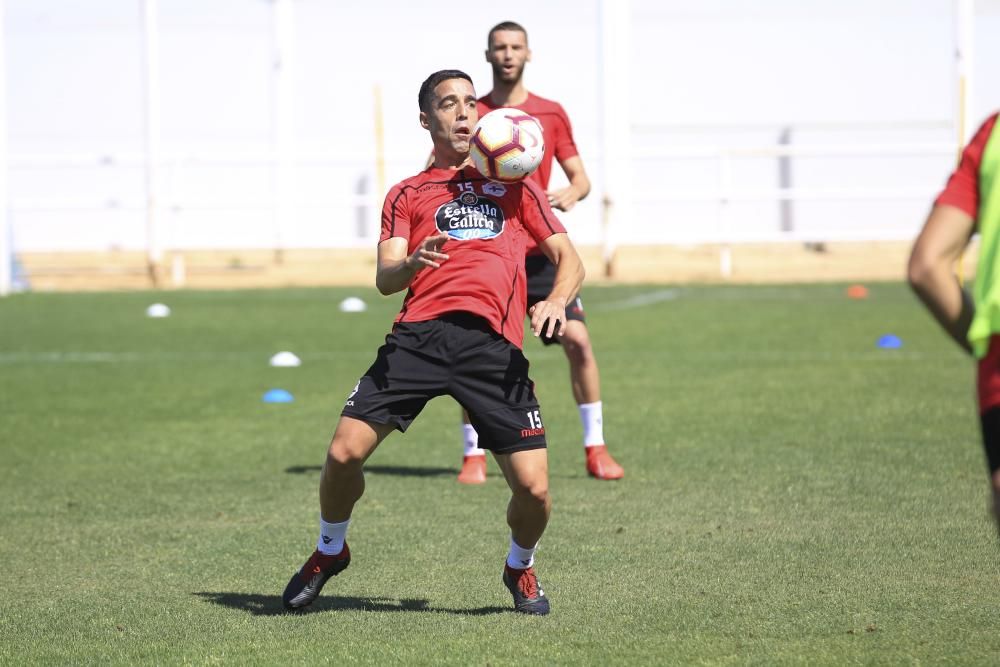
(507,52)
(970,203)
(456,242)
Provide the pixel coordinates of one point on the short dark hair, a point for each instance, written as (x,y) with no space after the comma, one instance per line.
(426,95)
(505,25)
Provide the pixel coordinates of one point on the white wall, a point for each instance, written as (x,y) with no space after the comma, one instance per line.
(715,72)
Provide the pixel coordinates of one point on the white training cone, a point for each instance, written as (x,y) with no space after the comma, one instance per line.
(352,304)
(158,310)
(285,360)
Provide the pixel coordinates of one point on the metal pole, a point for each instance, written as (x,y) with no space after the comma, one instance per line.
(282,121)
(725,215)
(151,109)
(6,263)
(786,206)
(380,178)
(615,41)
(965,14)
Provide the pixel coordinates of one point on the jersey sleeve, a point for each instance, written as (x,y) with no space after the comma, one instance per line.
(395,215)
(565,147)
(536,214)
(962,189)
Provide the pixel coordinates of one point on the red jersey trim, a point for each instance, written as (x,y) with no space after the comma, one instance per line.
(392,223)
(962,189)
(541,211)
(506,312)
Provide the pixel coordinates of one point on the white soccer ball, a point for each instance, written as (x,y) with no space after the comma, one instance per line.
(507,145)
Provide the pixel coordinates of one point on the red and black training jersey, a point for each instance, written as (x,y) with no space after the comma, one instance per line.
(962,190)
(490,226)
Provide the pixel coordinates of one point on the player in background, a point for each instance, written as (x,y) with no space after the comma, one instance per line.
(455,242)
(507,52)
(970,203)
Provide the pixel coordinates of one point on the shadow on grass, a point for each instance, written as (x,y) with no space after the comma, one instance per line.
(270,605)
(401,471)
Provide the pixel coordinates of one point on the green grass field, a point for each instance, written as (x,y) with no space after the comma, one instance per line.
(793,494)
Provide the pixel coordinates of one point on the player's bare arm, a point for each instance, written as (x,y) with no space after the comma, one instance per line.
(396,268)
(931,270)
(550,314)
(579,185)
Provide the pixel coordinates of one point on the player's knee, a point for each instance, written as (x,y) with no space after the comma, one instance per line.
(576,343)
(342,456)
(535,492)
(579,355)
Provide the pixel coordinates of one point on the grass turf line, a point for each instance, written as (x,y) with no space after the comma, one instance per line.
(792,493)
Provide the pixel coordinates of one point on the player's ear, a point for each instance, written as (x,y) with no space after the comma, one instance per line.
(424,122)
(527,58)
(486,54)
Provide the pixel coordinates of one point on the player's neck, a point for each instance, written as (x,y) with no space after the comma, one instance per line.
(453,162)
(508,94)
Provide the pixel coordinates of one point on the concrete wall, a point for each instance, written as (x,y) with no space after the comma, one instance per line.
(711,73)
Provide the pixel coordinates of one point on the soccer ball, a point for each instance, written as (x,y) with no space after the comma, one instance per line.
(507,145)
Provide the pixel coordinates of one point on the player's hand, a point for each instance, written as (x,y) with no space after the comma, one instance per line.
(564,199)
(428,254)
(548,317)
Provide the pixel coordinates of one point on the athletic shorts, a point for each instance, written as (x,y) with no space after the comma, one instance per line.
(459,355)
(541,277)
(988,381)
(988,377)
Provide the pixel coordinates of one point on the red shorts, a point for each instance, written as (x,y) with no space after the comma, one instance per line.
(988,379)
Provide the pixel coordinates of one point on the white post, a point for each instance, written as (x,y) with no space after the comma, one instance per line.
(965,14)
(6,263)
(725,215)
(615,41)
(151,109)
(282,121)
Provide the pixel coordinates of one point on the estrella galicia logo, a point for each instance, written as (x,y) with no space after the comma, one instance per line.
(470,217)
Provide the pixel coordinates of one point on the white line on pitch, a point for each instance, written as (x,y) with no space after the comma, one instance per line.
(639,300)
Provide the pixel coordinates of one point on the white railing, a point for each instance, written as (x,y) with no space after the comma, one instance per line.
(726,192)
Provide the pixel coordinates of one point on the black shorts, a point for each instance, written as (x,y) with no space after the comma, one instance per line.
(459,355)
(541,277)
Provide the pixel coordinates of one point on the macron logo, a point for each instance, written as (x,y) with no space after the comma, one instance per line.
(327,540)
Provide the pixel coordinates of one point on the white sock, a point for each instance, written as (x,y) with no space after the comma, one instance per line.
(520,558)
(331,537)
(593,423)
(471,440)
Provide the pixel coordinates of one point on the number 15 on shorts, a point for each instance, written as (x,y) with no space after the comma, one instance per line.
(534,419)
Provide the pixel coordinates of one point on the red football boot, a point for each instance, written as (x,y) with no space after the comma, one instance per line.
(473,470)
(601,465)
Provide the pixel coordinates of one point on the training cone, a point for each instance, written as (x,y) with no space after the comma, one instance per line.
(285,360)
(277,396)
(158,310)
(857,292)
(352,304)
(890,342)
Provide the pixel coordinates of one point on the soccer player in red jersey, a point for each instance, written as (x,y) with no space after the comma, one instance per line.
(969,203)
(507,52)
(456,243)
